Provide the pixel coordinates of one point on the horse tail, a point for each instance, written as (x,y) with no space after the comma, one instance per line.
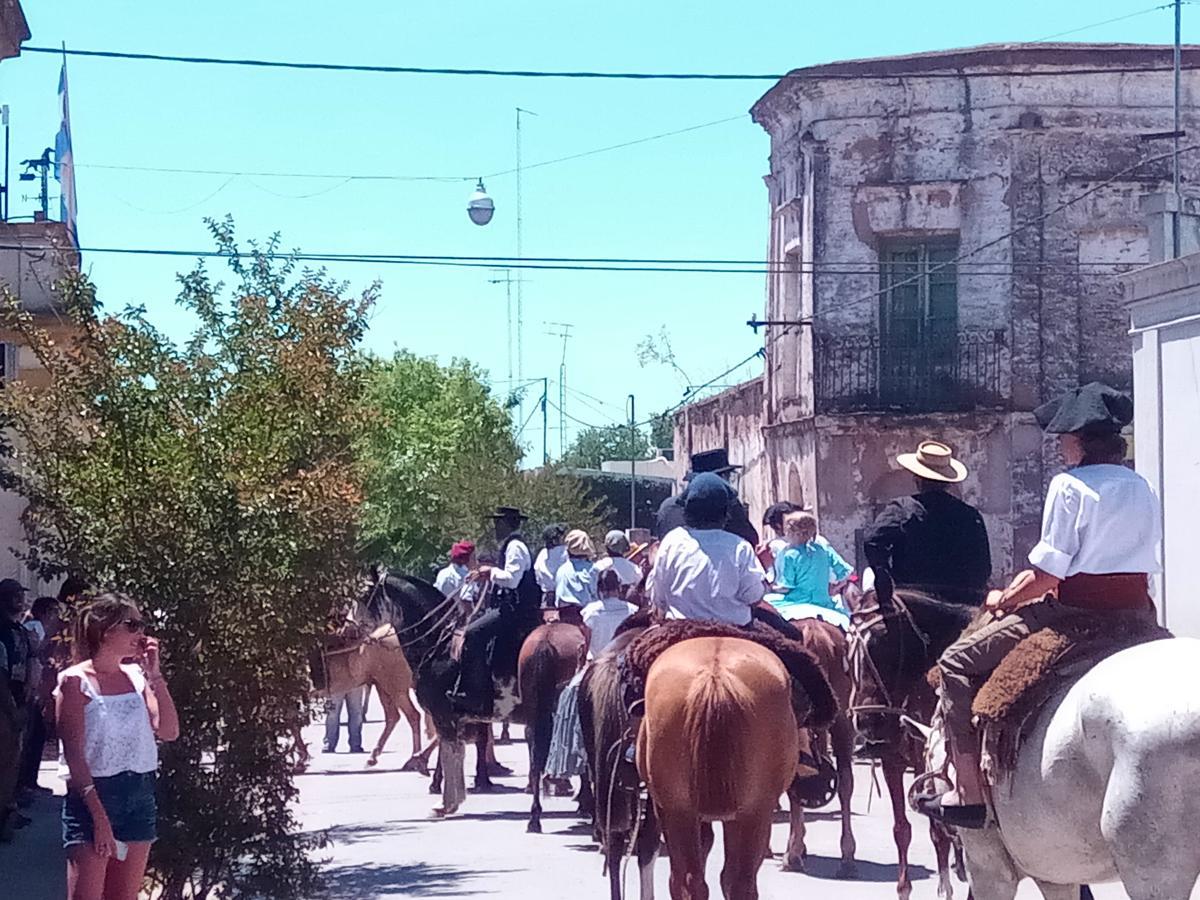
(539,676)
(717,712)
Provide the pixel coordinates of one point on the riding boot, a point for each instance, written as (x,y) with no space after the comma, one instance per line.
(965,806)
(474,694)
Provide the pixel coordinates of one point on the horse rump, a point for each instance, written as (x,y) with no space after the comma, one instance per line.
(717,708)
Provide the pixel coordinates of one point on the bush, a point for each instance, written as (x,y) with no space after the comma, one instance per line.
(216,483)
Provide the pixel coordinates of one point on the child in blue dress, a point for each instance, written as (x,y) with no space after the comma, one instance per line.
(804,572)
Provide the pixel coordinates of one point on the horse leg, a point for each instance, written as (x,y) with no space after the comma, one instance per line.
(483,778)
(303,757)
(648,844)
(686,848)
(941,847)
(586,798)
(451,757)
(893,774)
(960,864)
(505,737)
(1061,891)
(413,715)
(746,841)
(842,737)
(793,856)
(390,718)
(435,783)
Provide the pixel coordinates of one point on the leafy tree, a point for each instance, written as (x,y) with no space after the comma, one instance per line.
(592,446)
(662,431)
(215,482)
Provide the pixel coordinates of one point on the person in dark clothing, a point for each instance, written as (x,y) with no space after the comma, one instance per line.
(931,541)
(512,612)
(670,513)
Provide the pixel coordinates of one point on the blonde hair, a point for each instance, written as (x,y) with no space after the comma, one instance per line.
(795,524)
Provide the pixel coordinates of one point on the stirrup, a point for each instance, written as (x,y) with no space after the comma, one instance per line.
(974,816)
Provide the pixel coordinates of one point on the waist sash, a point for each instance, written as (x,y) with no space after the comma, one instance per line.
(1106,592)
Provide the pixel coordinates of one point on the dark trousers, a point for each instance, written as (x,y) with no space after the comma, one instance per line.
(475,676)
(33,742)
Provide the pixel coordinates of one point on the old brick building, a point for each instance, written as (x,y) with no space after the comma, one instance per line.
(938,272)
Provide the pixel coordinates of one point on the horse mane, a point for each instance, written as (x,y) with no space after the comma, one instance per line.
(938,618)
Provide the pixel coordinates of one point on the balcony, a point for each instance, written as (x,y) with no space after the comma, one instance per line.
(959,372)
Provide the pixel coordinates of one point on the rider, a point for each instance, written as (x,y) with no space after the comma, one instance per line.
(702,570)
(512,612)
(575,581)
(549,559)
(931,541)
(1100,532)
(670,513)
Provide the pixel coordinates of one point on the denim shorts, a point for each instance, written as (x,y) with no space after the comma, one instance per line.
(128,800)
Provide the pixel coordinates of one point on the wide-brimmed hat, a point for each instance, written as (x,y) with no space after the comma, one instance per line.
(510,513)
(616,542)
(1095,408)
(934,461)
(715,461)
(579,544)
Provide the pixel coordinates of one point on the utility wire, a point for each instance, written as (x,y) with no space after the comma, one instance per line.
(1132,15)
(538,73)
(367,176)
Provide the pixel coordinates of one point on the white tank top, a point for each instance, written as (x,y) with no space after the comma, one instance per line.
(117,736)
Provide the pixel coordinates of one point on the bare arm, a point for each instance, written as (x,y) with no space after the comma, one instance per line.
(164,719)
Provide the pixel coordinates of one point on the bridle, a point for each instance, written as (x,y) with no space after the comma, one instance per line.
(862,664)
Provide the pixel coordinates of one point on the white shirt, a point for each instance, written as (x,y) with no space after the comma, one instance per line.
(516,563)
(702,573)
(627,570)
(1099,520)
(549,561)
(575,584)
(450,579)
(603,617)
(117,736)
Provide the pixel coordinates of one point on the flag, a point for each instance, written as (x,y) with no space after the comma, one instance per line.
(64,161)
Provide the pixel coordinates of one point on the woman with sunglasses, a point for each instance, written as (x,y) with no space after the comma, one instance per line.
(112,705)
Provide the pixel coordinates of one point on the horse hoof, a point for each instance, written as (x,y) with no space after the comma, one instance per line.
(372,762)
(435,788)
(847,870)
(793,864)
(534,828)
(483,787)
(499,771)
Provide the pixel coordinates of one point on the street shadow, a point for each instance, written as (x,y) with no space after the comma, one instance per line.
(360,882)
(826,867)
(498,788)
(365,770)
(782,817)
(346,835)
(506,815)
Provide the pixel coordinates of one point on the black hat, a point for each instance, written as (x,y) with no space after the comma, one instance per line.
(509,512)
(707,498)
(10,587)
(1095,408)
(715,461)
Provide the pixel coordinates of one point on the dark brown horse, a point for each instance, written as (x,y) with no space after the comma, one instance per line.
(895,646)
(827,644)
(623,823)
(549,658)
(718,743)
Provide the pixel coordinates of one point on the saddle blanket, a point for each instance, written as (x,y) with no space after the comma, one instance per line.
(796,611)
(1044,663)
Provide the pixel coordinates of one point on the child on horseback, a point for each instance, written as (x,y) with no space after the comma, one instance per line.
(804,572)
(1101,530)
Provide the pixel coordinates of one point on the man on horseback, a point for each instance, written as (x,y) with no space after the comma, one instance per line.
(1100,532)
(671,512)
(932,541)
(511,614)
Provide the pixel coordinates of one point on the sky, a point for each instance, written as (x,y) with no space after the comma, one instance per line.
(697,195)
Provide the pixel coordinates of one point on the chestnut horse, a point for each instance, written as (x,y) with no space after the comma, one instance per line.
(549,658)
(718,743)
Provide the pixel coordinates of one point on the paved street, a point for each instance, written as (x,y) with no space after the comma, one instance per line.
(383,843)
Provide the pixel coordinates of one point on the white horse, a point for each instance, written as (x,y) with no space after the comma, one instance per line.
(1107,786)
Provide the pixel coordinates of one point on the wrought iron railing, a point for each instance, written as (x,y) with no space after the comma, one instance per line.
(962,371)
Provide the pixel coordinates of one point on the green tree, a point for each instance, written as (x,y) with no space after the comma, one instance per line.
(592,446)
(215,482)
(662,431)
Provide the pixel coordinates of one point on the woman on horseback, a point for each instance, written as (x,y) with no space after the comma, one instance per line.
(1101,529)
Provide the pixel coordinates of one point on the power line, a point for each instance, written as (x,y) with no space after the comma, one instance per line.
(368,176)
(1132,15)
(634,76)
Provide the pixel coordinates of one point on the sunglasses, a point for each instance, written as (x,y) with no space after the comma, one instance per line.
(134,626)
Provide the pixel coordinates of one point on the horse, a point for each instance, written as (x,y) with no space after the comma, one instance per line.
(1101,789)
(719,741)
(828,645)
(893,647)
(622,823)
(549,658)
(346,663)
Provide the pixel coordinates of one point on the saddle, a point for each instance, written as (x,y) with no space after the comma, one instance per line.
(1043,664)
(812,698)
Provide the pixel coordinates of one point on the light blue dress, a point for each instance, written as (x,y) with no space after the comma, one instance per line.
(804,573)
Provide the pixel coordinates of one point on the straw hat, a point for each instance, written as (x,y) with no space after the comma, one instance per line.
(579,544)
(934,461)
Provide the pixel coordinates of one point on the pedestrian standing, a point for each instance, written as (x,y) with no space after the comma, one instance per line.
(14,644)
(352,702)
(42,626)
(109,715)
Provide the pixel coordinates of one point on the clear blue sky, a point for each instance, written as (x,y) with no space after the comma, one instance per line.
(698,195)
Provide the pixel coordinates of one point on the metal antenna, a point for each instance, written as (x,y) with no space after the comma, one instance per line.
(564,332)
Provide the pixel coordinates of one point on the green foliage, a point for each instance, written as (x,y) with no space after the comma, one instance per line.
(216,483)
(592,446)
(662,432)
(438,456)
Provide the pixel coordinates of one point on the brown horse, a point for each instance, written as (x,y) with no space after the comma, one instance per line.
(827,643)
(549,658)
(718,743)
(346,662)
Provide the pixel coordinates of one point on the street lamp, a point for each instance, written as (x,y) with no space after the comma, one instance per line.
(480,206)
